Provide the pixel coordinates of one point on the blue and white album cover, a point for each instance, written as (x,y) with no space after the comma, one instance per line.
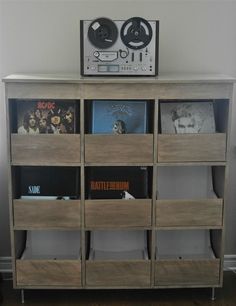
(119,117)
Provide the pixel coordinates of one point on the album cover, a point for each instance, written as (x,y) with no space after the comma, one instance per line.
(46,116)
(59,182)
(117,182)
(119,117)
(187,117)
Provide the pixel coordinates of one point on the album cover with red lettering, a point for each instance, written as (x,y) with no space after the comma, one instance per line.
(44,116)
(117,182)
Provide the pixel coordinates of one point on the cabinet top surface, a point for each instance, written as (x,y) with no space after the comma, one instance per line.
(76,78)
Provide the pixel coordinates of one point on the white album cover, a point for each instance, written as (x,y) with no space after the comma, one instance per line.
(187,117)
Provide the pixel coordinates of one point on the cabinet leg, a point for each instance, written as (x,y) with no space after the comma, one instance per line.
(213,296)
(22,296)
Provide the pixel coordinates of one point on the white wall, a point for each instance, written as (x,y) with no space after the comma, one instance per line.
(43,37)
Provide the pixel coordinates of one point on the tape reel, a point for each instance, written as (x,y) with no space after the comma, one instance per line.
(102,33)
(136,33)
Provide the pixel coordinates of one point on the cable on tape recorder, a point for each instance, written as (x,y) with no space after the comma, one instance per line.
(119,47)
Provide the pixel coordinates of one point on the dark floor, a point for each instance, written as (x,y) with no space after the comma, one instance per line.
(225,296)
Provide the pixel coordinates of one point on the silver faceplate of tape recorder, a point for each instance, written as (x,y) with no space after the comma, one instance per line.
(105,52)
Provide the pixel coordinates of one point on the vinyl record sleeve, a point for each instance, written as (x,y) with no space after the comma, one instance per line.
(49,181)
(117,182)
(43,116)
(133,115)
(187,117)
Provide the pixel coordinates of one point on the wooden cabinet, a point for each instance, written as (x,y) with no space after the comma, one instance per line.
(153,214)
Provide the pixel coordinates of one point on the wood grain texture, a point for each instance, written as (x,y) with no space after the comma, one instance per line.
(44,91)
(186,78)
(48,273)
(191,147)
(110,90)
(36,214)
(45,149)
(133,148)
(118,213)
(206,212)
(187,272)
(118,273)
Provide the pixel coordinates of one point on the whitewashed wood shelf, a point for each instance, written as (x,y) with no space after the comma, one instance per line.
(161,153)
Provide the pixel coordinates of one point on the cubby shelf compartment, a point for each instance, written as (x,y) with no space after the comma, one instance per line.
(191,147)
(118,213)
(45,149)
(189,213)
(128,148)
(34,214)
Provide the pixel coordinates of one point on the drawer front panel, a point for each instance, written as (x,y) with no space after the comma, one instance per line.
(187,272)
(47,149)
(46,214)
(118,213)
(48,273)
(189,212)
(191,147)
(119,148)
(118,273)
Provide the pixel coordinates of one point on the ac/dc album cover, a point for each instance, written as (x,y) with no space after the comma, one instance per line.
(119,117)
(187,117)
(117,182)
(49,181)
(46,116)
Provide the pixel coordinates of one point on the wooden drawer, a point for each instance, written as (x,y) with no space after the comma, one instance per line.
(187,272)
(132,148)
(191,147)
(66,273)
(46,214)
(45,149)
(179,213)
(118,213)
(134,273)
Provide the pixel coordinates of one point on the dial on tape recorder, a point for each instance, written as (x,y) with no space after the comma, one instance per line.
(116,47)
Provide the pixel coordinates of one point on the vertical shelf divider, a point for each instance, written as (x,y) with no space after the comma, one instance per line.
(82,194)
(154,190)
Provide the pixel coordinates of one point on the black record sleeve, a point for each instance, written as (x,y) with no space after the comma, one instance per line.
(50,181)
(117,182)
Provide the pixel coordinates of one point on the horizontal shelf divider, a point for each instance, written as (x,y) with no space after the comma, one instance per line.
(46,164)
(117,164)
(203,163)
(187,227)
(29,228)
(90,228)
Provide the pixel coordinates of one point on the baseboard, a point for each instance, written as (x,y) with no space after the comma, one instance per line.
(230,262)
(5,265)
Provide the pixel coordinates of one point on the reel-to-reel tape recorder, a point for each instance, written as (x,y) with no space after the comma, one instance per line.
(116,47)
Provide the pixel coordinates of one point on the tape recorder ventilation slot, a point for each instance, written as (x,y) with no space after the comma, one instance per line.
(119,47)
